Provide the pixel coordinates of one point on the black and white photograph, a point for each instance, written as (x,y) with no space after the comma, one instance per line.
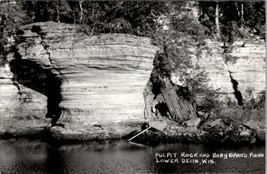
(120,86)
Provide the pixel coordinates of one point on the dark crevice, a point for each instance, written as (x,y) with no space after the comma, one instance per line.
(162,108)
(237,93)
(34,76)
(36,29)
(183,92)
(155,90)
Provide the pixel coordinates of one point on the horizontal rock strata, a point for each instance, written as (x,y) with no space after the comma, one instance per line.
(245,65)
(98,80)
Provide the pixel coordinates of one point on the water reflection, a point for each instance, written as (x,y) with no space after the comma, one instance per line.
(117,157)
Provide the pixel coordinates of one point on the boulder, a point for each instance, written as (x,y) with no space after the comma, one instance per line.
(259,128)
(214,125)
(192,123)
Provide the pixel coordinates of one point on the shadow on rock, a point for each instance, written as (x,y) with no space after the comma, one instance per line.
(35,77)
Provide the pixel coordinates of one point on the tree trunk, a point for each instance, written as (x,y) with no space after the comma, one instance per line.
(237,9)
(217,19)
(180,109)
(242,15)
(57,12)
(81,11)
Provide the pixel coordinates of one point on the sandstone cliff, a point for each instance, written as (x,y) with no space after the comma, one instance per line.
(95,81)
(94,85)
(240,70)
(236,73)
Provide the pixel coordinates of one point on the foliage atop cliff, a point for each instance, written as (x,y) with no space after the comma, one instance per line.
(138,17)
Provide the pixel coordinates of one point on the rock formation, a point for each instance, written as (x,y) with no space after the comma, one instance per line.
(94,86)
(233,73)
(248,68)
(89,82)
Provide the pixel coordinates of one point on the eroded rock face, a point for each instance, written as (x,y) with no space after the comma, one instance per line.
(240,71)
(22,110)
(248,68)
(96,80)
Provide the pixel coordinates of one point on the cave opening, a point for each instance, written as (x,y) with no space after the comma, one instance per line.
(42,80)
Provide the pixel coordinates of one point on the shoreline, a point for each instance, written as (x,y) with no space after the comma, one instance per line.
(151,137)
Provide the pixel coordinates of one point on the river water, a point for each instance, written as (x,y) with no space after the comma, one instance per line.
(24,156)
